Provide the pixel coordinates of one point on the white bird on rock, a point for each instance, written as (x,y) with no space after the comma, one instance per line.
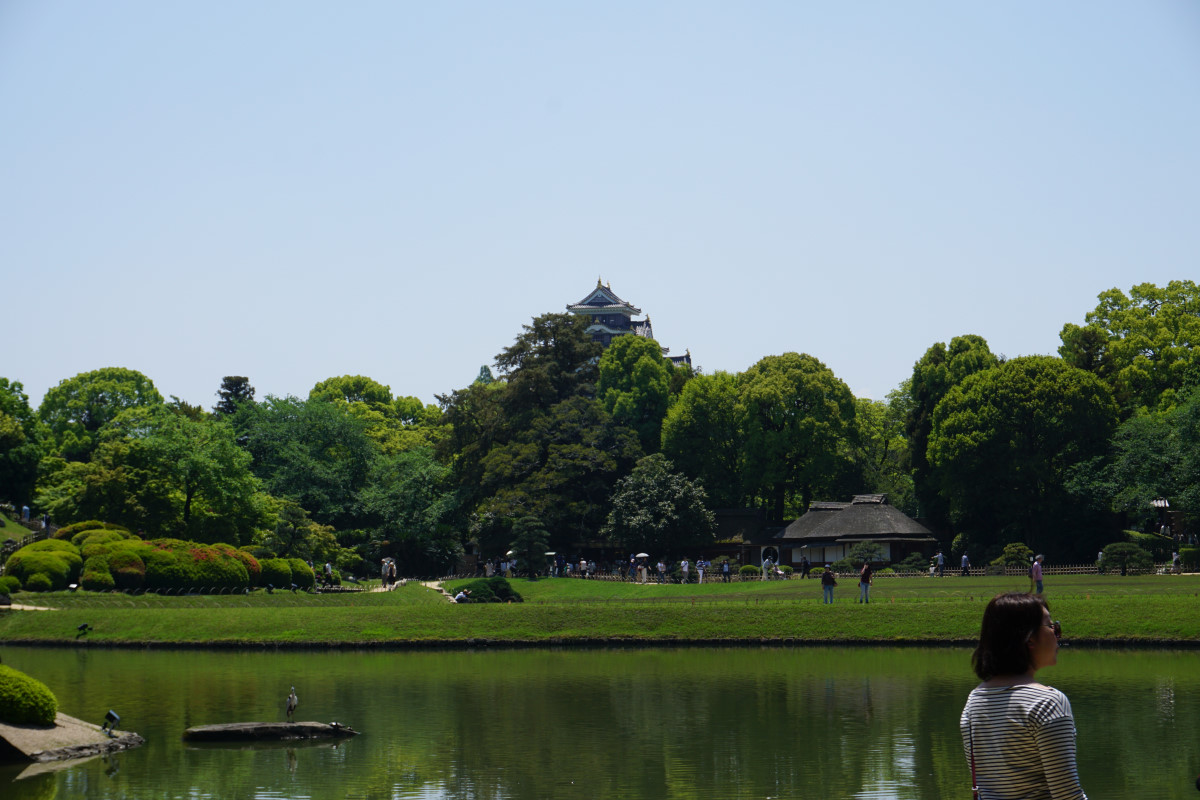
(292,702)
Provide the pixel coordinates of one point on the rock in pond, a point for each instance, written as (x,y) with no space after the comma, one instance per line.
(267,731)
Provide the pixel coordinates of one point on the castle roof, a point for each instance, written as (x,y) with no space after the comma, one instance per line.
(602,298)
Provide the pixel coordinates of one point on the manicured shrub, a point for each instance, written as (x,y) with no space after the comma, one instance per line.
(1189,559)
(99,535)
(59,567)
(175,565)
(816,572)
(127,569)
(96,539)
(844,566)
(491,590)
(1127,558)
(67,531)
(913,562)
(787,570)
(40,582)
(750,571)
(302,574)
(1158,546)
(276,572)
(96,576)
(253,569)
(25,700)
(9,584)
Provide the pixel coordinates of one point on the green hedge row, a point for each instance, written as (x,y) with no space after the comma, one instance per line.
(103,559)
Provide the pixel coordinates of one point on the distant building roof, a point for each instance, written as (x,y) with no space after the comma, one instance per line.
(602,298)
(867,516)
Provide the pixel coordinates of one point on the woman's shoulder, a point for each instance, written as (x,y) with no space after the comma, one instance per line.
(1037,699)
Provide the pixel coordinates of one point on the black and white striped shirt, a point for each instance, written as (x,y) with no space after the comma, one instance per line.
(1023,741)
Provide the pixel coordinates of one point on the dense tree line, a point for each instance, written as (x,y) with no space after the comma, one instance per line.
(568,443)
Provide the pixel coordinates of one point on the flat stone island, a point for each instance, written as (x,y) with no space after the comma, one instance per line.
(268,731)
(67,738)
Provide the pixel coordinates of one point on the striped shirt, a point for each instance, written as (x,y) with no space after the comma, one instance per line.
(1023,741)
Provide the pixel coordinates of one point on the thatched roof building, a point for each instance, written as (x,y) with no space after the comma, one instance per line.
(827,531)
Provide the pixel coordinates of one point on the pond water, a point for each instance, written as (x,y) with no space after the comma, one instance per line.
(637,723)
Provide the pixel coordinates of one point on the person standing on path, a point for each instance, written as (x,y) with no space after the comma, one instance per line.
(828,581)
(683,569)
(941,564)
(864,583)
(966,566)
(1036,572)
(725,570)
(700,565)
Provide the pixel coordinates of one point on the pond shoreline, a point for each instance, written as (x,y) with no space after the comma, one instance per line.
(598,643)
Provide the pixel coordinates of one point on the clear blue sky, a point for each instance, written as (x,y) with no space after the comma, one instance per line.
(296,190)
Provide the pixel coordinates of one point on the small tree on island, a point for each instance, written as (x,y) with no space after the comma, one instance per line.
(530,542)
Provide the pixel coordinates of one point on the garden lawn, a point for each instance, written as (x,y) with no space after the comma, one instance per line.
(1146,610)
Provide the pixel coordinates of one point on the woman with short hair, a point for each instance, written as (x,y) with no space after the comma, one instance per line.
(1018,734)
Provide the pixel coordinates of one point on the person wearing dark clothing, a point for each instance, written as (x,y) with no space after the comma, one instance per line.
(828,581)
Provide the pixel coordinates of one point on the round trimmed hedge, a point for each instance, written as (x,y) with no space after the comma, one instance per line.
(96,576)
(276,572)
(302,574)
(25,700)
(69,531)
(9,584)
(127,569)
(57,562)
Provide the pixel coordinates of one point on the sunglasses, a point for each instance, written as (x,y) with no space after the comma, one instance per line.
(1056,626)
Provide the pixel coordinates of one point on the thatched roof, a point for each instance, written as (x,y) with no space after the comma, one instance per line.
(868,516)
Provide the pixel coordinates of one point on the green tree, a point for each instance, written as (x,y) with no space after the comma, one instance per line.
(409,506)
(235,391)
(634,387)
(702,436)
(164,473)
(553,359)
(561,469)
(352,389)
(939,370)
(881,449)
(659,510)
(1153,454)
(536,443)
(20,443)
(1145,345)
(77,408)
(530,543)
(1003,441)
(315,453)
(295,535)
(798,422)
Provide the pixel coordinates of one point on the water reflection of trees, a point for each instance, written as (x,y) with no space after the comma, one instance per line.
(637,723)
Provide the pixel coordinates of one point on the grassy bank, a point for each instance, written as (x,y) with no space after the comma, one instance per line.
(1144,610)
